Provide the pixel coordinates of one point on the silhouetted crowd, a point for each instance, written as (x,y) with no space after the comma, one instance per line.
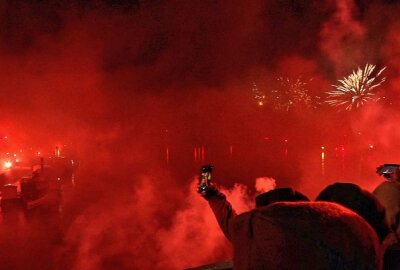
(346,227)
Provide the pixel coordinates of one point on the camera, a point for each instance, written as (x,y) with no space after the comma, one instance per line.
(205,178)
(387,169)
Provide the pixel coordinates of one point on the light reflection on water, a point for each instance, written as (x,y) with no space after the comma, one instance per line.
(32,239)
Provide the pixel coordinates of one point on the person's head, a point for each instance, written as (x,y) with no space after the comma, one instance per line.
(360,201)
(279,195)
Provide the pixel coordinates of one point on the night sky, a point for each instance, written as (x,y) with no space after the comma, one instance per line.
(120,81)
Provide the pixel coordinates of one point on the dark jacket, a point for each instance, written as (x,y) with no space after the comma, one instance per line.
(298,235)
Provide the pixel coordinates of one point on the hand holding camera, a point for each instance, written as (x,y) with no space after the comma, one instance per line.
(206,186)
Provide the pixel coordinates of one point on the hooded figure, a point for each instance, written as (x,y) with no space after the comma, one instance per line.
(360,201)
(297,235)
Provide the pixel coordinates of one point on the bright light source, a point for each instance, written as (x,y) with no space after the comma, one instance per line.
(7,164)
(371,146)
(323,147)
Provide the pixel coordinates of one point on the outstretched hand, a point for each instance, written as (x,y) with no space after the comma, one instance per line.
(378,169)
(207,190)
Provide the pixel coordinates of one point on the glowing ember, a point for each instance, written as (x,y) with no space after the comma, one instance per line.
(356,89)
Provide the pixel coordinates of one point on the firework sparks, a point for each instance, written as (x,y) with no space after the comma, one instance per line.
(356,89)
(291,93)
(259,96)
(286,95)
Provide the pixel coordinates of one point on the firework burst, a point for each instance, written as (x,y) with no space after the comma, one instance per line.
(356,89)
(291,94)
(259,96)
(286,95)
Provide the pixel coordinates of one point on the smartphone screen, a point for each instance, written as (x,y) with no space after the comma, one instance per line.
(205,176)
(388,168)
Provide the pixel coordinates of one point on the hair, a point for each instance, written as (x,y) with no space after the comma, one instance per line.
(279,195)
(360,201)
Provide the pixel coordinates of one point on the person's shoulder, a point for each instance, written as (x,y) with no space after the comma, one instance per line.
(387,186)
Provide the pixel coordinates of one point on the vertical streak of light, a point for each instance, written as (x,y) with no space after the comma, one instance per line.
(195,153)
(73,180)
(286,149)
(167,154)
(323,161)
(231,151)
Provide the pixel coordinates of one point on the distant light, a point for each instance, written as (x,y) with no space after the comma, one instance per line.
(323,147)
(7,164)
(260,103)
(7,153)
(266,138)
(38,153)
(286,140)
(371,146)
(5,137)
(17,160)
(15,155)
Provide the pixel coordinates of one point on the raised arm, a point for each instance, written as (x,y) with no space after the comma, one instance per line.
(222,209)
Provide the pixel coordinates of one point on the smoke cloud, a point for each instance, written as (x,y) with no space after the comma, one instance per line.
(134,88)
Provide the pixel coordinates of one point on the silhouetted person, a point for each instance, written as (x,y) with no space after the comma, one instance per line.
(296,235)
(388,193)
(360,201)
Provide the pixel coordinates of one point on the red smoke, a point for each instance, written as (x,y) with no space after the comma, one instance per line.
(123,80)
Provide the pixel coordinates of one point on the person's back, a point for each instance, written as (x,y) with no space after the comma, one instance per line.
(304,235)
(388,194)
